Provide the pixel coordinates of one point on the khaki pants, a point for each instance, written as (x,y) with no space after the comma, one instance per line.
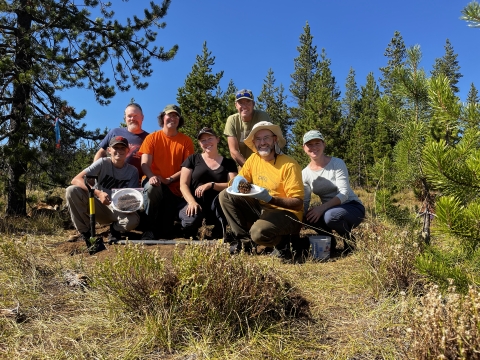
(248,219)
(77,202)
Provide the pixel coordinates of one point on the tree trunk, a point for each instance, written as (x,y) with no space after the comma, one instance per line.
(17,152)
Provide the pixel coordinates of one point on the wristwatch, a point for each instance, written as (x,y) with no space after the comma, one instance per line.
(170,180)
(213,184)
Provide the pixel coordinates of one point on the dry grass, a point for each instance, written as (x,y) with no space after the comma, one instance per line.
(363,306)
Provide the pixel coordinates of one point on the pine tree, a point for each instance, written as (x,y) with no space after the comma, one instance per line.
(396,53)
(411,86)
(453,170)
(199,99)
(391,105)
(446,110)
(53,45)
(471,14)
(472,96)
(228,99)
(448,66)
(273,100)
(322,111)
(305,66)
(350,105)
(366,142)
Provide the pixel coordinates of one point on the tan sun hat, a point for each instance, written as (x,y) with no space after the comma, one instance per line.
(265,125)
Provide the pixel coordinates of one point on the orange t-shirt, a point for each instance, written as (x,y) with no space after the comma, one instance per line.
(168,153)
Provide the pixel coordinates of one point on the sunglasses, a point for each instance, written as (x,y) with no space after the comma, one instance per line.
(244,94)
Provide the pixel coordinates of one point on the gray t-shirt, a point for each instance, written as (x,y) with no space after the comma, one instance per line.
(110,177)
(240,129)
(327,183)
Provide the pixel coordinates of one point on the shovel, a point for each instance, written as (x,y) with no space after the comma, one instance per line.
(94,245)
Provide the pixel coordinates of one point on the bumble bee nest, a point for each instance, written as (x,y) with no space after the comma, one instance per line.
(127,203)
(244,187)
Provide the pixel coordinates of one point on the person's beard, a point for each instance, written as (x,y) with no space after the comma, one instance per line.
(265,151)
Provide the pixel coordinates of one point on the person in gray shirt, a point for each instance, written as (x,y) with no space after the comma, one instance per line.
(326,176)
(113,173)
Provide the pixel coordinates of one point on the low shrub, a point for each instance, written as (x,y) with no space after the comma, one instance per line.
(445,326)
(206,292)
(389,255)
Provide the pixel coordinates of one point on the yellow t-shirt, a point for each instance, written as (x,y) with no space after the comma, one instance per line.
(282,177)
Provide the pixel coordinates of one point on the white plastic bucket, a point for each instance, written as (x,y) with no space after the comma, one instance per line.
(320,246)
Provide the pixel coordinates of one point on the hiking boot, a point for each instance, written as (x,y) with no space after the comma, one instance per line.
(114,236)
(148,235)
(97,246)
(85,236)
(237,246)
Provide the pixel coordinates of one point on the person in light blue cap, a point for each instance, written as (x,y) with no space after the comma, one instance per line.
(326,176)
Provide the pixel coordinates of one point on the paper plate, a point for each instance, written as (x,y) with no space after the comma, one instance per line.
(253,191)
(118,194)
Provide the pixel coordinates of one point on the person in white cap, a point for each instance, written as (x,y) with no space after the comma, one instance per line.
(239,125)
(326,176)
(272,212)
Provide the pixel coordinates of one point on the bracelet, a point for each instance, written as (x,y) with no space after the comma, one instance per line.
(213,185)
(170,180)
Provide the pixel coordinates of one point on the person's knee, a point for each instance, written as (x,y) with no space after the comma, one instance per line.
(192,221)
(261,234)
(73,193)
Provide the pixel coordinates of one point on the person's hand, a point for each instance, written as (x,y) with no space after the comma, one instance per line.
(199,191)
(192,209)
(315,213)
(104,198)
(263,195)
(236,181)
(154,180)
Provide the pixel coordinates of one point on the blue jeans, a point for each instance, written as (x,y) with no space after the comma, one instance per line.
(342,218)
(211,212)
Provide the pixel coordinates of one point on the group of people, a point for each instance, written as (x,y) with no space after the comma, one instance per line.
(180,185)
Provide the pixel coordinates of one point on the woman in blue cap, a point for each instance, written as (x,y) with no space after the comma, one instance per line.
(326,176)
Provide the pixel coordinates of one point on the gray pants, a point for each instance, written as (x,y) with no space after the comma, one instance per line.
(77,202)
(248,219)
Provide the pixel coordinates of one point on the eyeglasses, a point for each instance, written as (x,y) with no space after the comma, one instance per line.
(244,93)
(264,139)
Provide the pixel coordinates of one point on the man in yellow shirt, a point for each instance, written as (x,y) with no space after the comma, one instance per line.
(270,214)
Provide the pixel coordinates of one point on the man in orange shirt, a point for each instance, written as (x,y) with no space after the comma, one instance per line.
(163,153)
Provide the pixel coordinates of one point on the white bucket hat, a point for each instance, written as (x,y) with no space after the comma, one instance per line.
(265,125)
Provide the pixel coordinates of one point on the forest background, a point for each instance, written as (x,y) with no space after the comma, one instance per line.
(400,127)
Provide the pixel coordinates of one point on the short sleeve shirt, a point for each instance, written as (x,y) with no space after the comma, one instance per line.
(202,174)
(282,177)
(168,154)
(134,142)
(110,177)
(240,129)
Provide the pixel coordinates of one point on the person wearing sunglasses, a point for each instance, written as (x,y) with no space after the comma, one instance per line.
(239,125)
(270,215)
(133,132)
(202,177)
(163,153)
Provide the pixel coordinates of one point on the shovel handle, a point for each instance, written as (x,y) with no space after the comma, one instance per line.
(91,199)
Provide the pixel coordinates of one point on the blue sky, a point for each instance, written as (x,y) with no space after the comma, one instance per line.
(249,38)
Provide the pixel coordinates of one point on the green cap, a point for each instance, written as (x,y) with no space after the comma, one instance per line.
(172,108)
(311,135)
